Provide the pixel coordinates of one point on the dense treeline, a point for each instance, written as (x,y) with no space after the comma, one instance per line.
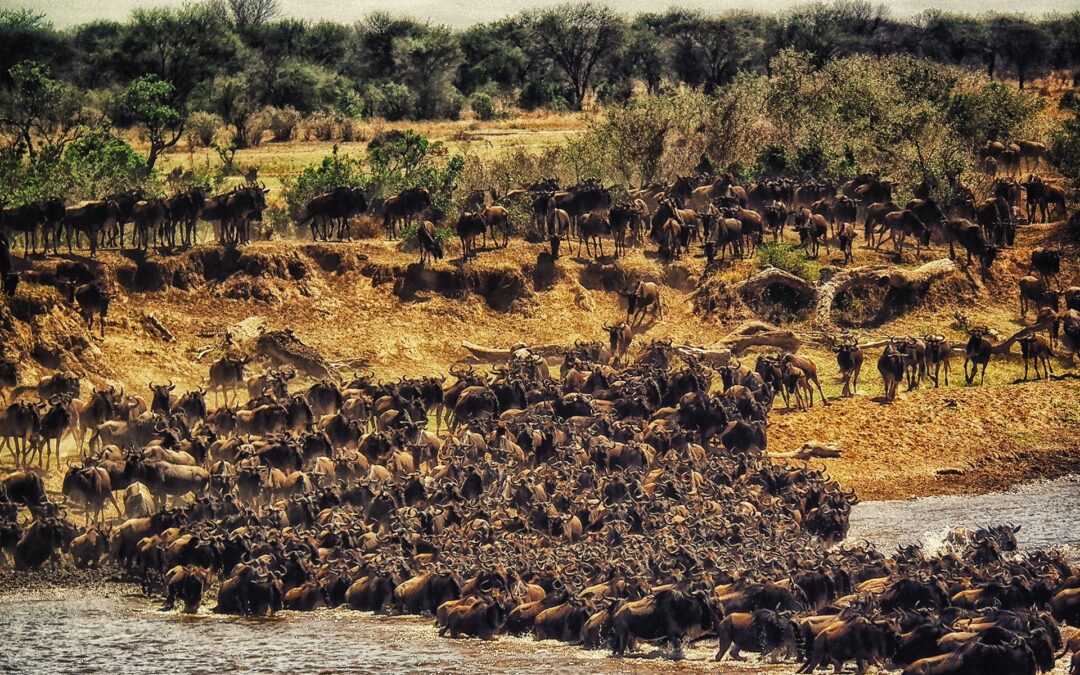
(232,57)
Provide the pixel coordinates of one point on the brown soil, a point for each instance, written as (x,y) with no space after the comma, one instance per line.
(369,305)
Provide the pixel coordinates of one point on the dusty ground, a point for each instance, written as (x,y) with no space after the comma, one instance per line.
(365,305)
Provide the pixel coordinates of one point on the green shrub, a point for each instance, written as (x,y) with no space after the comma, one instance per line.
(482,106)
(283,121)
(201,128)
(789,258)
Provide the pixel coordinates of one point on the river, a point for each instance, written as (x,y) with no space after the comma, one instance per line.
(109,629)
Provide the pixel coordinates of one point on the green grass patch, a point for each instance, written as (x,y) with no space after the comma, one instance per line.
(790,258)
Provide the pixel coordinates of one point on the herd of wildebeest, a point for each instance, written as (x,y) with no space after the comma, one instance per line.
(618,503)
(626,498)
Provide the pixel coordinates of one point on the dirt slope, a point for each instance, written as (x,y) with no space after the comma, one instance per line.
(367,305)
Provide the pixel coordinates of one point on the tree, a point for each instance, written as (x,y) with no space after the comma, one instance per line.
(248,14)
(1066,144)
(575,37)
(184,47)
(710,50)
(148,100)
(1022,43)
(26,35)
(42,113)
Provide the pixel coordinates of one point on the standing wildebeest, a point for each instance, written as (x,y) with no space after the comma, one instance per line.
(977,351)
(91,219)
(1047,262)
(623,218)
(242,206)
(30,218)
(469,226)
(938,355)
(226,374)
(496,217)
(812,228)
(1034,292)
(620,335)
(645,295)
(427,242)
(776,215)
(91,486)
(402,207)
(334,207)
(875,215)
(974,241)
(582,199)
(184,211)
(149,219)
(1036,347)
(850,359)
(590,231)
(891,366)
(92,299)
(902,223)
(845,235)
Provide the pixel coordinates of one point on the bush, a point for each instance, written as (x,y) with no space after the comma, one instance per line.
(255,128)
(789,258)
(283,122)
(483,107)
(320,127)
(202,126)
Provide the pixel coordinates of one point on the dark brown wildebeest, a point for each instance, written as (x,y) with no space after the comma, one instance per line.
(974,241)
(845,235)
(125,202)
(403,207)
(670,614)
(812,229)
(496,217)
(1047,262)
(900,224)
(1033,291)
(91,487)
(184,212)
(849,358)
(226,374)
(244,205)
(92,299)
(776,215)
(977,351)
(469,226)
(428,243)
(623,218)
(331,208)
(30,219)
(891,366)
(590,231)
(645,295)
(875,216)
(938,355)
(150,218)
(91,219)
(619,336)
(1036,347)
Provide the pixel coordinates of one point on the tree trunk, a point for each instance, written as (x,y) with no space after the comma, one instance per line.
(918,279)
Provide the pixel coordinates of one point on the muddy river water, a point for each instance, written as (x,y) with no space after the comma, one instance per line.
(110,630)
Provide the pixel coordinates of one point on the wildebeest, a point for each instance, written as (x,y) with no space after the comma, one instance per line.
(403,207)
(149,220)
(428,242)
(496,218)
(1036,347)
(619,336)
(469,226)
(900,224)
(92,299)
(670,615)
(974,241)
(644,296)
(1047,262)
(938,355)
(91,219)
(891,366)
(1033,291)
(91,486)
(332,208)
(226,375)
(849,358)
(977,351)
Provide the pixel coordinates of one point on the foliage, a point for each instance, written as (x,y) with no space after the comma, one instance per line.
(148,100)
(283,122)
(789,258)
(39,112)
(202,126)
(1066,145)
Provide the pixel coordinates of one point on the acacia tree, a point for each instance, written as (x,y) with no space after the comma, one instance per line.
(253,13)
(147,101)
(710,50)
(575,37)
